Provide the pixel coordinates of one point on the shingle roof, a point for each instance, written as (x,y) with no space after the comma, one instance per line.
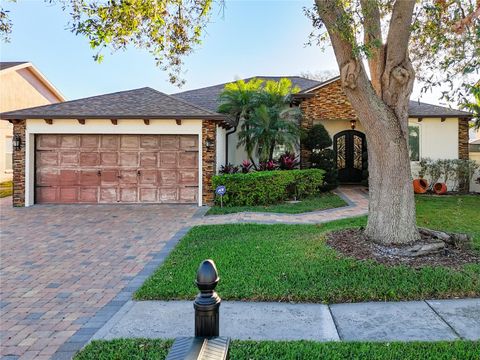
(143,103)
(421,109)
(207,97)
(8,64)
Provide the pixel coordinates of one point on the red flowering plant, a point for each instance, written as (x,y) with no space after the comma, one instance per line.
(288,161)
(245,166)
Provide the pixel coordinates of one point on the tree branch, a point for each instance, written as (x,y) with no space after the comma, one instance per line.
(374,42)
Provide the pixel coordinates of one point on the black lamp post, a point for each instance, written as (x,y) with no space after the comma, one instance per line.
(17,142)
(207,302)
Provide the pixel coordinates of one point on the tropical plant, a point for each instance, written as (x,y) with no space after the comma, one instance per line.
(229,169)
(288,161)
(238,100)
(267,165)
(474,105)
(245,166)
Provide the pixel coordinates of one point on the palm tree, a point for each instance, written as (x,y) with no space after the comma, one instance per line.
(272,126)
(238,99)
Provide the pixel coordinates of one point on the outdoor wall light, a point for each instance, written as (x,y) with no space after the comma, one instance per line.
(353,124)
(208,143)
(17,142)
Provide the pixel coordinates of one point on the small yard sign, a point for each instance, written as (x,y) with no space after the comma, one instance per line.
(220,191)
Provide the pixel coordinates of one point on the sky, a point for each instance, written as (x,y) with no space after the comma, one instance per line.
(248,38)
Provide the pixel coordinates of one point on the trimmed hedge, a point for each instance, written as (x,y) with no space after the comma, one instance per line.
(268,187)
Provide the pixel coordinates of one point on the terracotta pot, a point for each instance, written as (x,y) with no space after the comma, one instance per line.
(440,188)
(420,186)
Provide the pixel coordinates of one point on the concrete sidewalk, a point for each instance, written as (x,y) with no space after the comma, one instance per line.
(373,321)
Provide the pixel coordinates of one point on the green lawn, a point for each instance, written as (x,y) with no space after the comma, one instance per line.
(6,189)
(295,350)
(292,262)
(325,201)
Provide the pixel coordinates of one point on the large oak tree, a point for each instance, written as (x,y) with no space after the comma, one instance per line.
(378,45)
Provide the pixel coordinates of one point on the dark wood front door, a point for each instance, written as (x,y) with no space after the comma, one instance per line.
(350,146)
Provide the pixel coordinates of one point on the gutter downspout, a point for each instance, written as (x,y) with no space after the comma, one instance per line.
(226,143)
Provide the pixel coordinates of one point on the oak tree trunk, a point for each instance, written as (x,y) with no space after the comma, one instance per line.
(381,104)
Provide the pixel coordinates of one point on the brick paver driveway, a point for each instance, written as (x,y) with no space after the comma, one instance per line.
(60,264)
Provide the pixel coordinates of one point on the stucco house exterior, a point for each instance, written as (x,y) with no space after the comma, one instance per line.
(442,133)
(144,146)
(22,85)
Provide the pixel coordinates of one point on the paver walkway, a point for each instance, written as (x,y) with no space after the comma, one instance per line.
(67,269)
(373,321)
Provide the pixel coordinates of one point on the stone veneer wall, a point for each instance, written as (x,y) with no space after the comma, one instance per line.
(18,198)
(328,102)
(463,138)
(209,157)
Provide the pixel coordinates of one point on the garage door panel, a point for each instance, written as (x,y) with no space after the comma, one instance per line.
(188,194)
(68,195)
(128,177)
(47,158)
(108,195)
(69,177)
(70,141)
(148,195)
(109,159)
(129,142)
(148,177)
(69,158)
(109,142)
(90,141)
(129,159)
(128,194)
(168,160)
(187,177)
(189,143)
(89,178)
(149,142)
(47,142)
(93,168)
(47,177)
(89,159)
(167,178)
(109,177)
(46,194)
(168,195)
(169,142)
(148,159)
(88,195)
(188,160)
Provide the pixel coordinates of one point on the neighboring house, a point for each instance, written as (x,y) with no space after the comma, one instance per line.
(474,151)
(137,146)
(143,146)
(436,132)
(21,86)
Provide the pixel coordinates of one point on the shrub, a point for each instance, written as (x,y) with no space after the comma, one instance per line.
(267,165)
(228,169)
(318,141)
(268,187)
(325,159)
(287,161)
(245,166)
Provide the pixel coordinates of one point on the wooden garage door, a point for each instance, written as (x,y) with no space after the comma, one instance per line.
(116,169)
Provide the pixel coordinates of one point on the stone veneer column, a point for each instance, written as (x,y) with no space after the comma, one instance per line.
(209,159)
(18,198)
(463,138)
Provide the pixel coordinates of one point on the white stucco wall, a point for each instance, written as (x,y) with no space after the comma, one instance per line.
(220,142)
(95,126)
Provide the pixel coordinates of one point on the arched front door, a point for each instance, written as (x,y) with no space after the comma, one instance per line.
(349,146)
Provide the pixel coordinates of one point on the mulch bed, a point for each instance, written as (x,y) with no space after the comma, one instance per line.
(354,243)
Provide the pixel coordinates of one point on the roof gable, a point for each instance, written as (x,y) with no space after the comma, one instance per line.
(138,103)
(207,97)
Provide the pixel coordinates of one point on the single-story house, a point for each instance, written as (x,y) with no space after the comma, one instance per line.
(436,132)
(143,146)
(22,85)
(137,146)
